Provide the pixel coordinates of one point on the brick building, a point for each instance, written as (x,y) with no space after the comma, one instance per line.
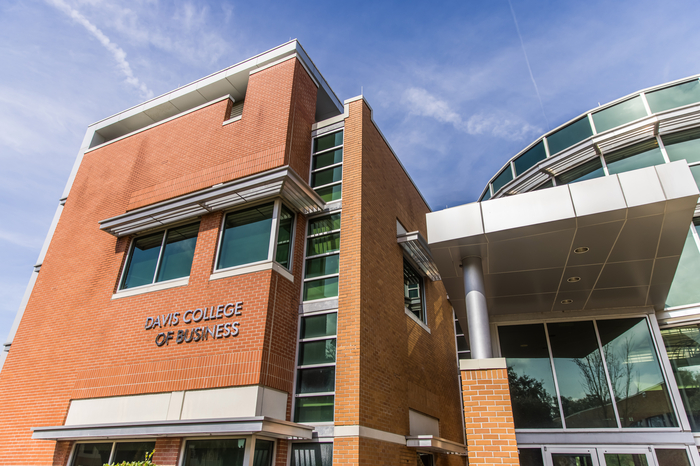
(236,274)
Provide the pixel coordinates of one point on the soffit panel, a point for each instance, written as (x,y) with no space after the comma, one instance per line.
(588,275)
(548,250)
(525,282)
(520,304)
(623,274)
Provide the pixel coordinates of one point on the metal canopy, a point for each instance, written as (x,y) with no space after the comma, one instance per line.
(417,249)
(634,225)
(230,426)
(436,444)
(277,182)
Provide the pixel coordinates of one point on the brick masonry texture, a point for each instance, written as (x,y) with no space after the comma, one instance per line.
(75,341)
(488,417)
(386,362)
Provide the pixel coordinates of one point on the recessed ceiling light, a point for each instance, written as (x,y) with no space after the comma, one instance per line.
(567,301)
(581,250)
(573,279)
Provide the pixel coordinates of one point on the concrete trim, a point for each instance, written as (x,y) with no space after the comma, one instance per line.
(436,444)
(229,121)
(330,304)
(150,288)
(368,432)
(252,268)
(415,319)
(482,364)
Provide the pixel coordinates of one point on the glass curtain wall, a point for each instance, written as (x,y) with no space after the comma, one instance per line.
(327,166)
(683,348)
(587,374)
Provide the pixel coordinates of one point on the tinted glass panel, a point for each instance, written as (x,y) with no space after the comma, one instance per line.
(319,289)
(569,459)
(530,457)
(324,224)
(314,409)
(319,326)
(672,457)
(587,171)
(132,451)
(412,290)
(317,352)
(683,146)
(695,170)
(645,154)
(323,244)
(684,288)
(316,380)
(328,141)
(330,175)
(143,261)
(486,195)
(215,452)
(246,236)
(530,158)
(626,459)
(683,349)
(326,265)
(570,135)
(178,253)
(263,453)
(502,179)
(312,454)
(640,390)
(619,114)
(462,344)
(284,237)
(327,158)
(92,454)
(530,378)
(583,386)
(672,97)
(330,193)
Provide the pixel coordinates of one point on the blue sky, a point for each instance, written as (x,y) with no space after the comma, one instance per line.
(448,81)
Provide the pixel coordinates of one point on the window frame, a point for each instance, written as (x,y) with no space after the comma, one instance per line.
(249,455)
(315,154)
(307,236)
(423,318)
(74,448)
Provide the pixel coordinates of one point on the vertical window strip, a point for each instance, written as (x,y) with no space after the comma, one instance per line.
(327,166)
(321,265)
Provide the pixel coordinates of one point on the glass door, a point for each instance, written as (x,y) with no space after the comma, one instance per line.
(567,456)
(626,457)
(619,456)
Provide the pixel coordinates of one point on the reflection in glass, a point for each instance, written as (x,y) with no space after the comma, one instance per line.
(412,290)
(684,145)
(675,96)
(246,237)
(327,158)
(644,154)
(317,352)
(92,454)
(320,266)
(314,409)
(530,158)
(626,459)
(684,288)
(319,326)
(178,253)
(229,452)
(571,459)
(284,237)
(143,261)
(312,454)
(322,244)
(570,135)
(501,180)
(132,451)
(695,170)
(327,176)
(317,380)
(320,289)
(583,386)
(619,114)
(324,224)
(530,378)
(530,457)
(683,349)
(328,141)
(671,457)
(263,453)
(330,193)
(586,171)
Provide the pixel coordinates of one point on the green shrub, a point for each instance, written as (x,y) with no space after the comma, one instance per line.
(146,462)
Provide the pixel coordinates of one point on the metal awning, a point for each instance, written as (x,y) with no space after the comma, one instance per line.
(272,183)
(133,430)
(417,249)
(436,444)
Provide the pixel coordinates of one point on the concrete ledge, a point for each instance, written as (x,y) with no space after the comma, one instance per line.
(368,432)
(481,364)
(436,444)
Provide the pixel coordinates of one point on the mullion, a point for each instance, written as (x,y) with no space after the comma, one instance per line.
(554,375)
(328,150)
(321,277)
(160,256)
(607,374)
(327,167)
(327,184)
(328,337)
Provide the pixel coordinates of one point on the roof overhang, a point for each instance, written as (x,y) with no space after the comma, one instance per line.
(416,247)
(272,183)
(230,426)
(436,445)
(634,224)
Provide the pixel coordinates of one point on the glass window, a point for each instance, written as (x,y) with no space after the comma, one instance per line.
(246,236)
(530,158)
(530,457)
(530,378)
(572,459)
(672,457)
(263,453)
(330,175)
(640,390)
(328,141)
(626,459)
(316,380)
(317,352)
(569,135)
(314,409)
(502,179)
(487,194)
(321,266)
(426,459)
(161,256)
(684,288)
(132,451)
(326,166)
(683,349)
(330,193)
(675,96)
(684,145)
(284,237)
(319,326)
(322,263)
(321,289)
(327,158)
(619,114)
(695,170)
(586,171)
(312,454)
(644,154)
(92,454)
(413,293)
(227,452)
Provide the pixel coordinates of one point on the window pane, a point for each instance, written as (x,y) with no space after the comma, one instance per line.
(143,261)
(178,253)
(695,170)
(672,457)
(587,171)
(684,288)
(644,154)
(323,244)
(328,141)
(626,459)
(619,114)
(324,224)
(319,326)
(571,459)
(319,289)
(263,453)
(530,457)
(327,158)
(462,344)
(317,352)
(312,454)
(330,175)
(413,290)
(530,158)
(570,135)
(486,196)
(284,237)
(672,97)
(246,236)
(502,179)
(583,386)
(683,348)
(228,452)
(314,409)
(92,454)
(530,378)
(640,390)
(316,380)
(684,145)
(330,193)
(132,451)
(320,266)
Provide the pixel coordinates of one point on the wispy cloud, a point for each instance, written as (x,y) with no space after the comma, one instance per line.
(20,239)
(117,52)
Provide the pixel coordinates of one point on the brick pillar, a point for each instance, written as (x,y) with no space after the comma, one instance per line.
(167,451)
(488,413)
(61,453)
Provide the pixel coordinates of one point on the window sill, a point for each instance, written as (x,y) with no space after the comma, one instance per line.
(252,268)
(236,118)
(417,320)
(150,288)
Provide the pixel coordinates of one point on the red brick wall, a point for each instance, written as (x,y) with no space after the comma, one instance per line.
(74,341)
(488,417)
(167,451)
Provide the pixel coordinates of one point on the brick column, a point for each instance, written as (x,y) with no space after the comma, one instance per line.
(488,413)
(167,451)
